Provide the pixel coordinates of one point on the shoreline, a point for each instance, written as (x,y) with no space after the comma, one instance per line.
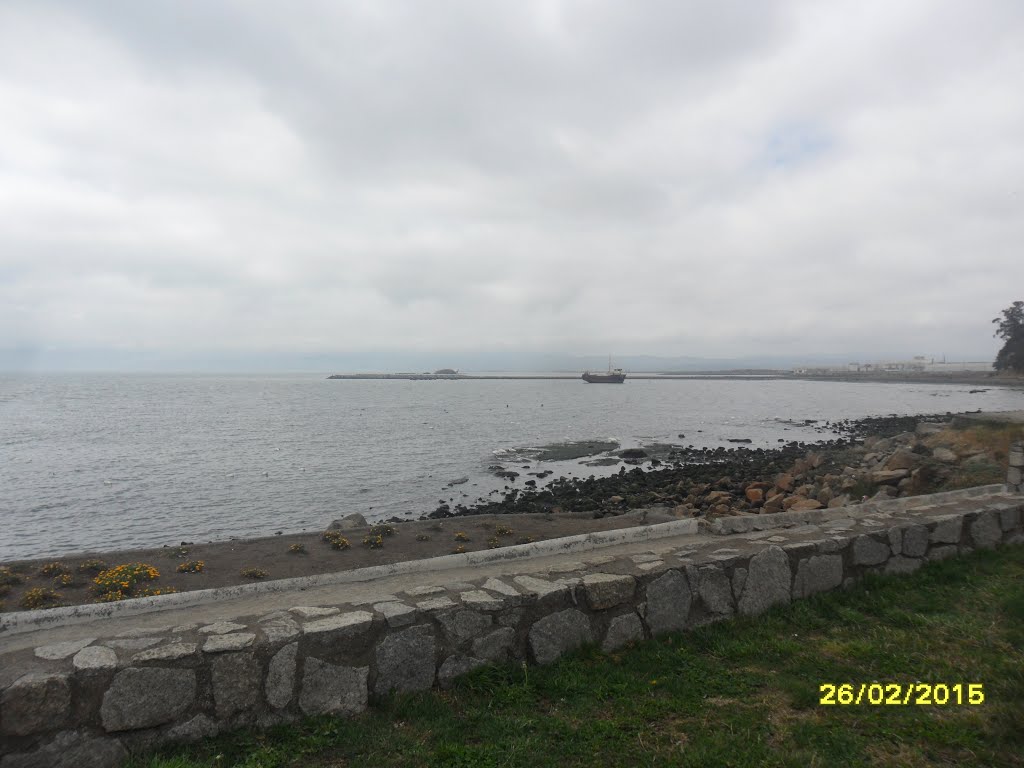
(689,483)
(224,561)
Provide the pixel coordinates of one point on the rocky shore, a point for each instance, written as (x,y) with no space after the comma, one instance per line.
(877,458)
(880,457)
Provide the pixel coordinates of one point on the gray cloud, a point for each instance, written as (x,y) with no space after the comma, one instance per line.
(670,178)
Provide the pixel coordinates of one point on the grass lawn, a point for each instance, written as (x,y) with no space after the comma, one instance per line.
(739,693)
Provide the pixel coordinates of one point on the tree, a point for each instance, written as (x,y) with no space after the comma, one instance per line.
(1011,331)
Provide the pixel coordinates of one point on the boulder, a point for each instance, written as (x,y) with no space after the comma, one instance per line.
(348,522)
(461,626)
(767,582)
(714,590)
(147,696)
(331,689)
(622,630)
(405,661)
(915,541)
(820,573)
(790,501)
(35,702)
(784,482)
(280,684)
(902,459)
(456,666)
(559,633)
(606,590)
(495,646)
(947,531)
(889,476)
(868,551)
(985,531)
(236,683)
(668,603)
(803,505)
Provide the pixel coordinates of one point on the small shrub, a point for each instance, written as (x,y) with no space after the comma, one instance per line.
(66,580)
(191,566)
(335,539)
(297,549)
(253,573)
(461,536)
(493,543)
(8,578)
(970,474)
(503,530)
(525,540)
(374,542)
(422,537)
(459,549)
(4,590)
(53,569)
(121,580)
(92,566)
(383,530)
(40,598)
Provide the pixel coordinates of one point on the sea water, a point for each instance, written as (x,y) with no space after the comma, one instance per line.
(102,461)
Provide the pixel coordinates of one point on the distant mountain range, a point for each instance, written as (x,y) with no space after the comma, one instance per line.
(418,361)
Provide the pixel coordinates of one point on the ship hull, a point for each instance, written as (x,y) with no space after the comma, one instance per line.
(604,378)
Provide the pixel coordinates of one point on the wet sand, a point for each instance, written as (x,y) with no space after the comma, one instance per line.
(224,561)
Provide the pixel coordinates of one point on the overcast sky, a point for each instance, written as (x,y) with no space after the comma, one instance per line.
(713,179)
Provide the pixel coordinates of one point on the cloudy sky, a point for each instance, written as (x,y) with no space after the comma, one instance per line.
(713,179)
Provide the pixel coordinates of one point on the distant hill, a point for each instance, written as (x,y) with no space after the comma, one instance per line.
(476,361)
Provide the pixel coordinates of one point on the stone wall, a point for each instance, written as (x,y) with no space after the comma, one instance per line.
(1015,471)
(92,701)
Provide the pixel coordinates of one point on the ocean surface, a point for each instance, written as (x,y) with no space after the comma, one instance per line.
(101,461)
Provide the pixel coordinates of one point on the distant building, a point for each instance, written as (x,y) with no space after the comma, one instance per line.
(918,364)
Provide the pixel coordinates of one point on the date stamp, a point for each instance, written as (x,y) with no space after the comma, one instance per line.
(901,694)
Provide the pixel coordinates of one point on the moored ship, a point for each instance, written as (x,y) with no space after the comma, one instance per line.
(611,376)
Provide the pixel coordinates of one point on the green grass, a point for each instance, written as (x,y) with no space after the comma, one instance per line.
(741,693)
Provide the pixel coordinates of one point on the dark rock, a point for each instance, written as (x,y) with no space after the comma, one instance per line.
(633,453)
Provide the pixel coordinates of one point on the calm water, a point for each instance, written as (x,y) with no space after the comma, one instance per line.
(101,461)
